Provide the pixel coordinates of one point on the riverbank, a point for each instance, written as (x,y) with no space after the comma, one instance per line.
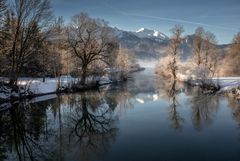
(28,88)
(226,85)
(35,87)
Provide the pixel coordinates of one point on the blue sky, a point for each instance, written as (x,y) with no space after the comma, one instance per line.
(218,16)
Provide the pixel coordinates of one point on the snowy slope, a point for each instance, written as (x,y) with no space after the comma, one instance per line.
(152,34)
(226,83)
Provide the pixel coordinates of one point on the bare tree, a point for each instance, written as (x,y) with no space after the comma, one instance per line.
(28,18)
(90,40)
(198,42)
(3,9)
(232,60)
(205,51)
(210,52)
(124,61)
(52,49)
(175,43)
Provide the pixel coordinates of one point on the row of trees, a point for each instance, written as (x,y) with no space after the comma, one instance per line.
(35,43)
(232,59)
(207,58)
(26,30)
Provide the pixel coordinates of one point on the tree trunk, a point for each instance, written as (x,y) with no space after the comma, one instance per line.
(199,59)
(44,78)
(84,74)
(12,79)
(59,81)
(174,68)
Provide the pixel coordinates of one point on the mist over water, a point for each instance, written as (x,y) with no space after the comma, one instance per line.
(148,63)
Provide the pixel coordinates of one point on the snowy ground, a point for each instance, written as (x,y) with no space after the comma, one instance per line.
(38,87)
(225,83)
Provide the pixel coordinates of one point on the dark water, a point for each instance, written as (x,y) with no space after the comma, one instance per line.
(145,119)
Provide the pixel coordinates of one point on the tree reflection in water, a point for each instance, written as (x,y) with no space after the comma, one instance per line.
(92,121)
(235,106)
(121,100)
(21,133)
(73,126)
(175,118)
(80,126)
(204,107)
(89,125)
(169,90)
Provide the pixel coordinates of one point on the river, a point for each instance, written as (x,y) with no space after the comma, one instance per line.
(143,119)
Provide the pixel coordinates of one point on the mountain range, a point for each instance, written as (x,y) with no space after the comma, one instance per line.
(151,44)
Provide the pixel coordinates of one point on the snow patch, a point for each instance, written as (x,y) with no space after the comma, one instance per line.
(226,83)
(153,34)
(140,30)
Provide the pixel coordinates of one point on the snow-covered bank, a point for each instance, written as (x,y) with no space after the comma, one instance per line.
(223,82)
(32,87)
(51,85)
(36,87)
(229,85)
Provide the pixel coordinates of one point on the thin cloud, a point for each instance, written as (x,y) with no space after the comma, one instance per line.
(107,4)
(177,21)
(216,16)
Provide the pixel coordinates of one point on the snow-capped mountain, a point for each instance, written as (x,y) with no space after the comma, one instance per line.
(152,44)
(152,34)
(141,33)
(143,43)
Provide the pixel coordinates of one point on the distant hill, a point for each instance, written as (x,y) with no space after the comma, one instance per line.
(151,44)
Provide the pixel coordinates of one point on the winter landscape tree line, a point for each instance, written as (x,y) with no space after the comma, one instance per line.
(34,43)
(207,60)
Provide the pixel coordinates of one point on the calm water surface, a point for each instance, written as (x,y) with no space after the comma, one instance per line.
(145,119)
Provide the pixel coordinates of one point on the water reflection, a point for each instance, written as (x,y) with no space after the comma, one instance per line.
(175,118)
(235,106)
(79,124)
(169,89)
(21,129)
(120,101)
(105,124)
(204,107)
(91,124)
